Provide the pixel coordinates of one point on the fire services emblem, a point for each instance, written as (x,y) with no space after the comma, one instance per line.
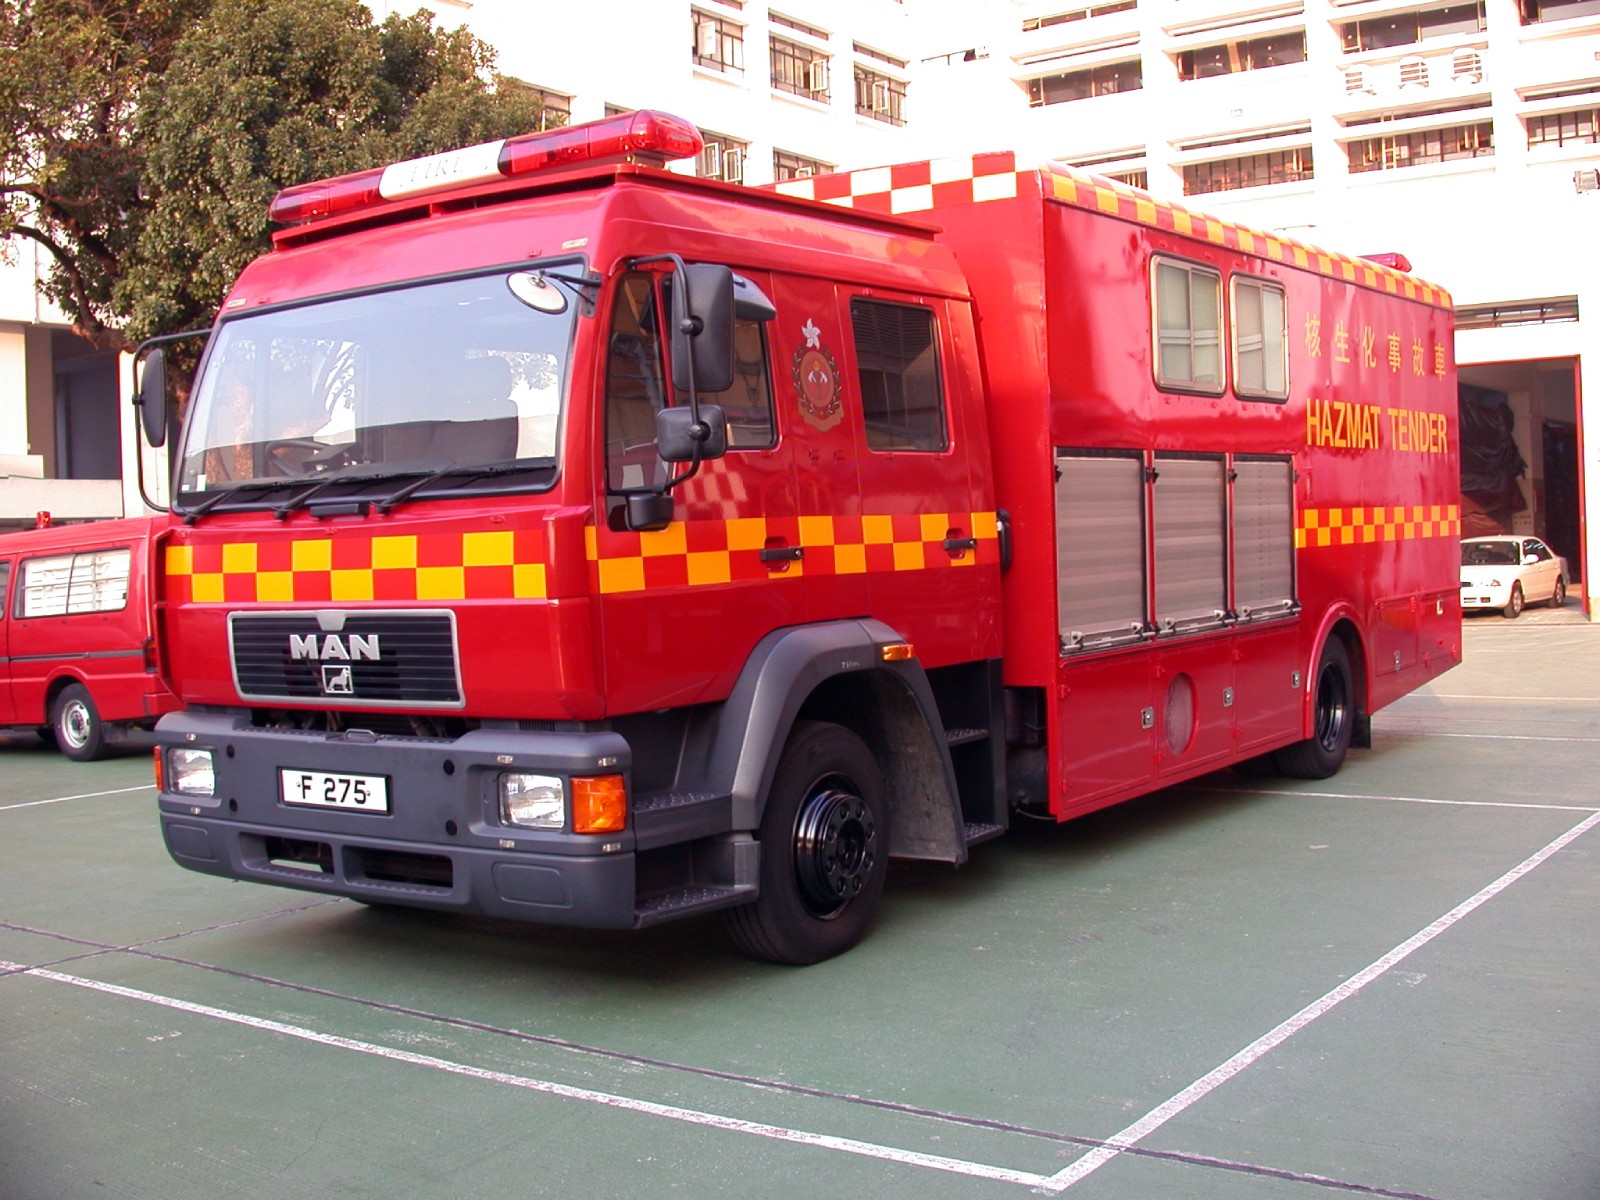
(816,380)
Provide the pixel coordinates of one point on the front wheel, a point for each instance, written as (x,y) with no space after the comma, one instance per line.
(824,850)
(1513,608)
(1322,754)
(79,732)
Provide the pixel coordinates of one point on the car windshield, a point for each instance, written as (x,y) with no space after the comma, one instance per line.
(416,380)
(1490,554)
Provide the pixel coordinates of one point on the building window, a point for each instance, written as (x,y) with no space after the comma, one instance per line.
(718,44)
(1249,170)
(722,158)
(1564,129)
(555,108)
(1104,80)
(799,69)
(1253,54)
(1423,146)
(1188,310)
(1029,24)
(1409,28)
(897,363)
(1260,339)
(1139,179)
(1535,11)
(796,166)
(879,96)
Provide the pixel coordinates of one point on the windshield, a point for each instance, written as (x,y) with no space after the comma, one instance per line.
(1490,554)
(416,380)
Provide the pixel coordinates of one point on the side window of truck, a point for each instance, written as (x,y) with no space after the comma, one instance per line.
(1260,339)
(94,581)
(1187,299)
(636,388)
(897,361)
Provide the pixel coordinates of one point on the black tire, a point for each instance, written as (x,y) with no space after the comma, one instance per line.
(824,850)
(79,732)
(1322,754)
(1559,596)
(1514,606)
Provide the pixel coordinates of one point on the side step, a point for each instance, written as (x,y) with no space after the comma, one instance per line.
(982,833)
(681,902)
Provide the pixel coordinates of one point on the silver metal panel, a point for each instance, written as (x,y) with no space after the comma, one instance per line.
(1100,552)
(1191,543)
(1263,549)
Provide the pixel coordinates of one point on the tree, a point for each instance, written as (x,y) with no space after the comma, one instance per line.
(146,162)
(72,76)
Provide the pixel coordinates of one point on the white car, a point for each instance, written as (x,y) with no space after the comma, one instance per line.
(1509,572)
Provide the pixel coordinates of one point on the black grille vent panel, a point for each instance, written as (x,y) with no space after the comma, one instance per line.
(370,659)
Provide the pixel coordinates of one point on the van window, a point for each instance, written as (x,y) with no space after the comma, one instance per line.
(1188,312)
(1260,339)
(5,578)
(93,581)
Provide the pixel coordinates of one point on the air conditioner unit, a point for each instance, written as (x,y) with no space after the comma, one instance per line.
(1468,65)
(1355,80)
(706,39)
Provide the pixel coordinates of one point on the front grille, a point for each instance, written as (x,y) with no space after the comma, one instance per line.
(349,659)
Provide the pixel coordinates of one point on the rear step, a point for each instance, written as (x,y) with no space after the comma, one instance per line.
(977,832)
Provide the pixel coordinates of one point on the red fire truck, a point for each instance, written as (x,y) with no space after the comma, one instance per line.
(562,538)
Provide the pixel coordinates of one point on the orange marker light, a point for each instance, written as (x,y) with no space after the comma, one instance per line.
(898,652)
(156,766)
(599,804)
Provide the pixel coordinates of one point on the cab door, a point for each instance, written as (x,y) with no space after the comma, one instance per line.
(682,607)
(896,504)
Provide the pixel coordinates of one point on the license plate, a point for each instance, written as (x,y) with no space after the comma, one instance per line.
(324,789)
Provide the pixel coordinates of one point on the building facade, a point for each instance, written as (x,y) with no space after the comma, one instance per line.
(1457,134)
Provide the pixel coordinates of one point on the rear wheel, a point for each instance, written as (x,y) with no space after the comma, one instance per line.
(1513,608)
(824,850)
(79,732)
(1322,754)
(1559,596)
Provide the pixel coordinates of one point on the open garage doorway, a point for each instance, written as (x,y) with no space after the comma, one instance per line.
(1520,453)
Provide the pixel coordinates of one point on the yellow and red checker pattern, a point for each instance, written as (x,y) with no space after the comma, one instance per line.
(504,565)
(923,186)
(1321,527)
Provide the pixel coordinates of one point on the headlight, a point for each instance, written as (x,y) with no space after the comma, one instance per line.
(192,772)
(532,801)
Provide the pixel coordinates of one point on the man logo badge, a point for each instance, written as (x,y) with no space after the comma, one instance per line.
(337,680)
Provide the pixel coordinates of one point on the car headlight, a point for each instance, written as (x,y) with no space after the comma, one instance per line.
(192,772)
(532,801)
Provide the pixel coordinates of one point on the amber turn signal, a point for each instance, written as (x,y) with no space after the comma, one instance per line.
(599,804)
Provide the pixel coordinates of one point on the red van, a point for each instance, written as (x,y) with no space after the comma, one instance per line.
(77,648)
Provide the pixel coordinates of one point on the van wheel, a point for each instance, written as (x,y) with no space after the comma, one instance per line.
(824,850)
(1322,754)
(74,720)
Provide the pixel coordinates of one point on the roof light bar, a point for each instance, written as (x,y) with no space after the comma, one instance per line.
(646,136)
(1395,262)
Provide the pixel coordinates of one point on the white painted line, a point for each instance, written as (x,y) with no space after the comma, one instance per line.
(1202,1087)
(1530,699)
(148,787)
(910,1158)
(1261,791)
(1490,737)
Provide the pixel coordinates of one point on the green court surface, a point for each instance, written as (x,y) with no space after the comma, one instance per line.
(1381,984)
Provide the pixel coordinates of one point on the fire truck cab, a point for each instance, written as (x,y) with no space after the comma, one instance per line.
(560,538)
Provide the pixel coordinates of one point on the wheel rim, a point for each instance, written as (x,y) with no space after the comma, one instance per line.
(75,723)
(1333,708)
(835,847)
(1516,599)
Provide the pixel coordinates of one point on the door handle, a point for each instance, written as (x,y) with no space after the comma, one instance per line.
(779,554)
(960,545)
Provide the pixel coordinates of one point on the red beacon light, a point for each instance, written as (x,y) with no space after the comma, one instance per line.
(1395,262)
(652,138)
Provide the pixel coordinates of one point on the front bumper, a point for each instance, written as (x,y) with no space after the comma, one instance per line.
(442,843)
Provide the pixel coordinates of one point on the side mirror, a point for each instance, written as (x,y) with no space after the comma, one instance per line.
(702,327)
(1529,559)
(151,397)
(680,437)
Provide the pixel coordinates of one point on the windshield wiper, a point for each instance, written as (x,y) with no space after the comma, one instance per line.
(483,471)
